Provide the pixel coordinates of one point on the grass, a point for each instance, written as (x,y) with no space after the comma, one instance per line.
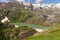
(53,34)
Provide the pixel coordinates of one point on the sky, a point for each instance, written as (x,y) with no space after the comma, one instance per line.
(37,1)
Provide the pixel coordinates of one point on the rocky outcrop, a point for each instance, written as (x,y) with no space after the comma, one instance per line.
(52,18)
(48,18)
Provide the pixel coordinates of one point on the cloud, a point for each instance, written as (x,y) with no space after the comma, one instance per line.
(21,0)
(37,1)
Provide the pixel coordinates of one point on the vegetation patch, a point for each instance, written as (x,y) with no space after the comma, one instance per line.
(53,34)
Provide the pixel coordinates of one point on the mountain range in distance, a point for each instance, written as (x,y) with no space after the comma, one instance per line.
(37,4)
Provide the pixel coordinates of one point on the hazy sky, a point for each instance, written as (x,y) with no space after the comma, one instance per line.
(37,1)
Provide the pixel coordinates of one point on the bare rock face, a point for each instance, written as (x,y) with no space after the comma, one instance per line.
(47,19)
(52,18)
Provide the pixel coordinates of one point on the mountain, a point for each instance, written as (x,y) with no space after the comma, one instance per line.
(47,5)
(36,5)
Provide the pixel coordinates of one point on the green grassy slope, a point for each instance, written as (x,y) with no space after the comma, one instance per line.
(53,34)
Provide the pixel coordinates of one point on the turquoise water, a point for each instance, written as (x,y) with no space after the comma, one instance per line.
(34,26)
